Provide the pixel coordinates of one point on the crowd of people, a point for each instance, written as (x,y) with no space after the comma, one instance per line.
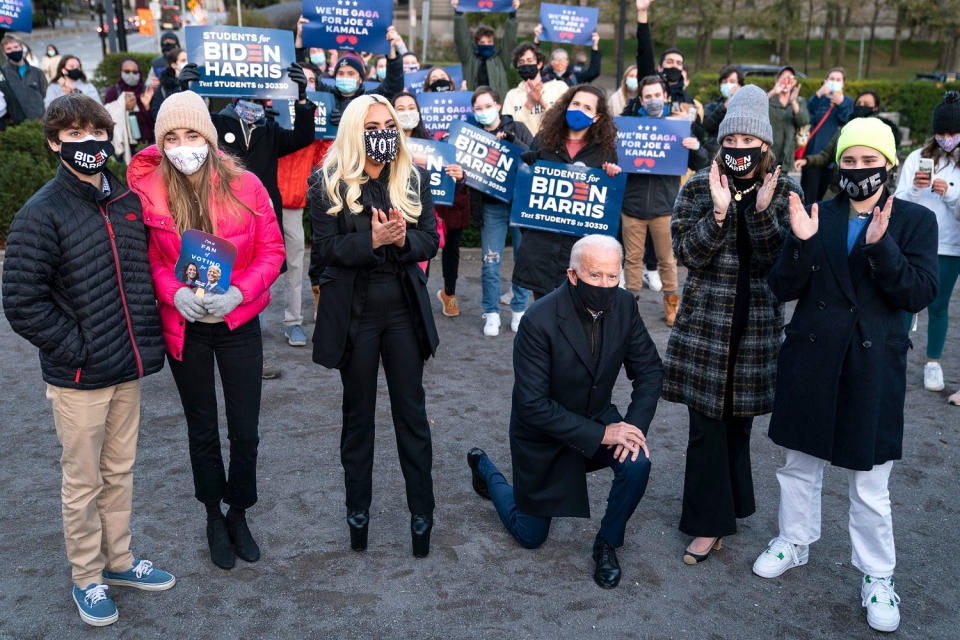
(90,278)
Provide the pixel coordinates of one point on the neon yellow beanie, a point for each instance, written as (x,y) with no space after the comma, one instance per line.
(868,132)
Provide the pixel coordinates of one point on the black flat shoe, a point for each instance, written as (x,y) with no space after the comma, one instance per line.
(689,557)
(221,549)
(358,521)
(473,460)
(420,527)
(244,545)
(607,572)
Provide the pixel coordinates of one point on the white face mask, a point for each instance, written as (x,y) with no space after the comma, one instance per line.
(187,160)
(408,119)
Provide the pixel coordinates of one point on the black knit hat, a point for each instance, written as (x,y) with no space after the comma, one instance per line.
(946,115)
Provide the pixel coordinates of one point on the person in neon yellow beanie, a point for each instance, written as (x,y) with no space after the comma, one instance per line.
(854,264)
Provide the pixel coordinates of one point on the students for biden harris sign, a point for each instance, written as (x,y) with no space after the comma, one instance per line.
(652,145)
(434,157)
(322,129)
(356,25)
(489,164)
(242,62)
(566,23)
(569,199)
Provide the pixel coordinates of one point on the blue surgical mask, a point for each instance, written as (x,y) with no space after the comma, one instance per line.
(486,117)
(577,120)
(835,86)
(726,89)
(381,73)
(485,51)
(346,86)
(318,58)
(632,84)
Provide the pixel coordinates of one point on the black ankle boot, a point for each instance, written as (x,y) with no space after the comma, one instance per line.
(420,527)
(244,545)
(221,550)
(358,521)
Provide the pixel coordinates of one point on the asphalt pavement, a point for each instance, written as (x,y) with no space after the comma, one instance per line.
(477,582)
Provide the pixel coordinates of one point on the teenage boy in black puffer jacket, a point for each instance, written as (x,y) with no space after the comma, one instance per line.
(76,284)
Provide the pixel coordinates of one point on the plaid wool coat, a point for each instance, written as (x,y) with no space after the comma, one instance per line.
(699,344)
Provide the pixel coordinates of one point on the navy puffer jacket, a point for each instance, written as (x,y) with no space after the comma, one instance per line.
(76,284)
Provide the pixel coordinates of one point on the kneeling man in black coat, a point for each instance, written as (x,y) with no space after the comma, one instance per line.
(566,358)
(854,265)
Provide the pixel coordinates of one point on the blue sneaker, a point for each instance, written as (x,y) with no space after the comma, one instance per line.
(95,606)
(295,335)
(141,575)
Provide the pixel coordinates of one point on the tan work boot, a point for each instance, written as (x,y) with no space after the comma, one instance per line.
(670,303)
(450,306)
(316,300)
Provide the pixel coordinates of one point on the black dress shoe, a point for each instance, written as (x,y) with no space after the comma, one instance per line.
(244,545)
(358,521)
(221,549)
(479,484)
(607,572)
(420,527)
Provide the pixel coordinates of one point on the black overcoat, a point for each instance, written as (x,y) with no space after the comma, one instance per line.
(841,372)
(561,400)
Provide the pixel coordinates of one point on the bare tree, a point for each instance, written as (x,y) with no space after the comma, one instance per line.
(844,22)
(873,37)
(806,43)
(898,32)
(828,23)
(733,19)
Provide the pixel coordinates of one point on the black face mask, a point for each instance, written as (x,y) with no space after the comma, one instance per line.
(595,298)
(87,156)
(74,74)
(741,161)
(528,71)
(440,85)
(15,56)
(167,46)
(860,111)
(672,75)
(381,144)
(860,184)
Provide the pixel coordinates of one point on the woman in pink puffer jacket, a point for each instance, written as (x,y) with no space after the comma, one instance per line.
(185,183)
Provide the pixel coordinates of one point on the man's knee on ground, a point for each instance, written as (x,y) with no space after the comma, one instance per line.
(636,470)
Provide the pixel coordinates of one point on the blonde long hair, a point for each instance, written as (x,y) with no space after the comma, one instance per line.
(345,162)
(190,205)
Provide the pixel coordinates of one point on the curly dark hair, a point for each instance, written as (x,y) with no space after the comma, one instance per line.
(523,47)
(554,130)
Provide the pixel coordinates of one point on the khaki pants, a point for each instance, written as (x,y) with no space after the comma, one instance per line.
(293,244)
(98,432)
(634,232)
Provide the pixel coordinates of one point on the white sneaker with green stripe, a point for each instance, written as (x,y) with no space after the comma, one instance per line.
(779,556)
(882,603)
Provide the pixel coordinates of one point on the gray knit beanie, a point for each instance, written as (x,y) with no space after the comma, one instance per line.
(748,113)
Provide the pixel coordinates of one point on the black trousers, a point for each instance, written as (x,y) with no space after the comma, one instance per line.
(451,260)
(386,332)
(814,181)
(239,357)
(718,483)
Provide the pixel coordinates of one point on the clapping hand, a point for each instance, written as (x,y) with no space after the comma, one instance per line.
(804,226)
(386,228)
(719,190)
(765,194)
(878,226)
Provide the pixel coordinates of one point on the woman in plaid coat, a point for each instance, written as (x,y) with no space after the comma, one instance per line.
(729,225)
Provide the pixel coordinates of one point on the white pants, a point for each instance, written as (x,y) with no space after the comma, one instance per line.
(871,522)
(293,244)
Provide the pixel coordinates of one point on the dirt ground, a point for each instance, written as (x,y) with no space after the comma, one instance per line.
(477,582)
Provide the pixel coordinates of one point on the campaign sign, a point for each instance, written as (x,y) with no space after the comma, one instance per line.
(566,23)
(242,62)
(569,199)
(354,25)
(16,15)
(652,145)
(489,164)
(485,6)
(322,129)
(205,261)
(439,109)
(434,157)
(368,85)
(414,81)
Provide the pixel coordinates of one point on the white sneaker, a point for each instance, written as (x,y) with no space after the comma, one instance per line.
(491,324)
(932,377)
(515,320)
(652,278)
(779,556)
(882,603)
(507,298)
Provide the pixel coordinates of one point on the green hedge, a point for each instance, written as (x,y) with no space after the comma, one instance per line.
(26,164)
(108,71)
(913,100)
